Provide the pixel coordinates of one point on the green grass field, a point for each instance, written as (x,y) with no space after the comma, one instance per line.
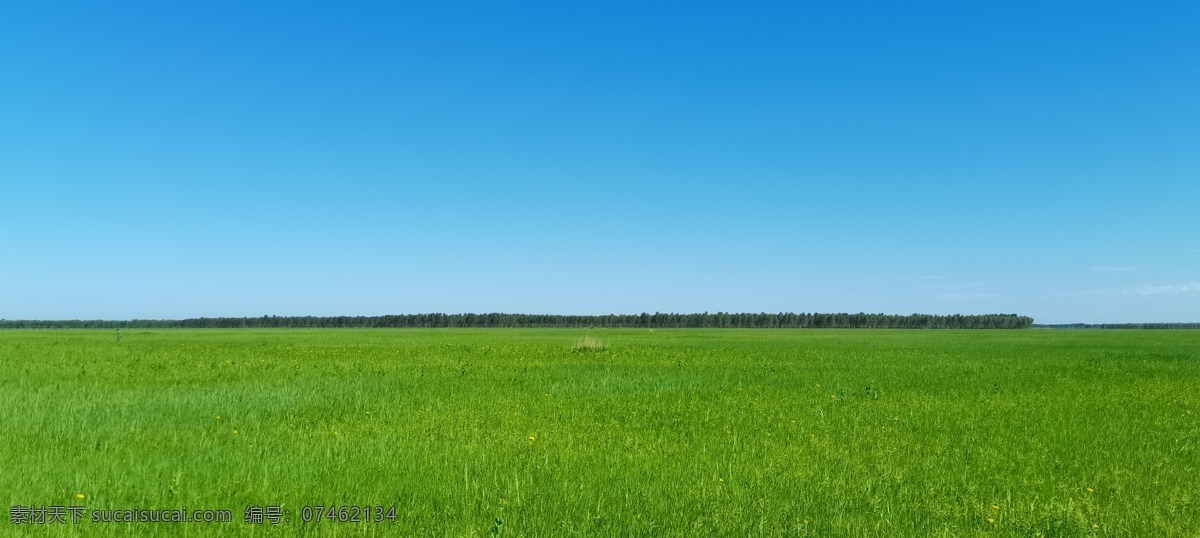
(668,432)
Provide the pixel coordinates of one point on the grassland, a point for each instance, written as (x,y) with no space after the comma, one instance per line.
(683,432)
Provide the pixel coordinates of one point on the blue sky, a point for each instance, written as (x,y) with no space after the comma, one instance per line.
(219,158)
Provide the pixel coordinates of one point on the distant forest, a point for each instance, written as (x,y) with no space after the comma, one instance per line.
(719,320)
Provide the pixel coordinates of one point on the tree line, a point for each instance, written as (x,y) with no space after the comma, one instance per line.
(1119,326)
(719,320)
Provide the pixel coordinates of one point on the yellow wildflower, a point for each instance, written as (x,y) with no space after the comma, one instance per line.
(80,496)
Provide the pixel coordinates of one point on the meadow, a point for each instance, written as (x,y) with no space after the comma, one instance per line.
(494,432)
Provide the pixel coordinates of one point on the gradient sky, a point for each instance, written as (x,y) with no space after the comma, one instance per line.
(221,158)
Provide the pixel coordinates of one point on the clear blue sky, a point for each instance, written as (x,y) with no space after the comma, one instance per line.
(221,158)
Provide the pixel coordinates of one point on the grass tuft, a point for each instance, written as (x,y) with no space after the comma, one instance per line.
(589,344)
